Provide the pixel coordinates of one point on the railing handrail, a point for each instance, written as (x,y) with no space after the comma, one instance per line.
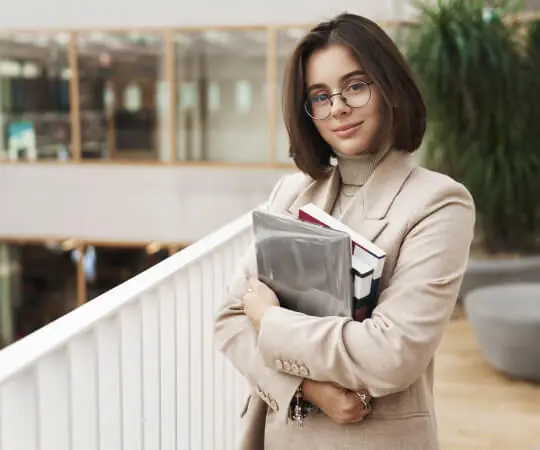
(24,352)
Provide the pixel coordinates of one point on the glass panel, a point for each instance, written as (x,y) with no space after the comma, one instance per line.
(48,278)
(107,267)
(34,96)
(123,96)
(10,291)
(286,41)
(221,107)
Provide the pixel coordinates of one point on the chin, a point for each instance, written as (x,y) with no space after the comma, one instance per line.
(351,148)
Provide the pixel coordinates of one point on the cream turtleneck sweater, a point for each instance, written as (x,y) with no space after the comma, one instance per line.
(354,171)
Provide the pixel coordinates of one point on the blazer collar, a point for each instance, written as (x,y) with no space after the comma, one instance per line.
(367,213)
(382,188)
(321,193)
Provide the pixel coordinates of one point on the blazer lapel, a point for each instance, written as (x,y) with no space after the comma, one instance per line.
(367,214)
(323,194)
(371,228)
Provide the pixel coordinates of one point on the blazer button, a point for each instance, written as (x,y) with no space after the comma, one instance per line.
(303,371)
(287,366)
(274,405)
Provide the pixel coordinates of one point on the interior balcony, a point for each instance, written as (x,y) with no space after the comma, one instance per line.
(136,368)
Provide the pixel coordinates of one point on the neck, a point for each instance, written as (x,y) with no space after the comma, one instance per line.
(356,170)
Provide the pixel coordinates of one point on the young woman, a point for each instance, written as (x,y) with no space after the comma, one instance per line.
(354,116)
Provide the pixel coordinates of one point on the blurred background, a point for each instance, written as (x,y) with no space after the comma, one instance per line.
(128,131)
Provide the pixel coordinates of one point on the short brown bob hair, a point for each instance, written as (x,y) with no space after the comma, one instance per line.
(404,106)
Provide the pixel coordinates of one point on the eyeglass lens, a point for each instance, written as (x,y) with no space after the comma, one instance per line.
(355,95)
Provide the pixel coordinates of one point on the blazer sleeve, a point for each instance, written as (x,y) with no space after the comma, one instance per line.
(388,352)
(237,339)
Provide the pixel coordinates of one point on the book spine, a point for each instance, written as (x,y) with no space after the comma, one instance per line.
(363,304)
(363,308)
(365,296)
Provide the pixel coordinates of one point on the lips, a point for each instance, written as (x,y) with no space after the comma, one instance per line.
(347,130)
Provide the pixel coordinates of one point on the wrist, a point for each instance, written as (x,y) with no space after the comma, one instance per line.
(307,386)
(301,405)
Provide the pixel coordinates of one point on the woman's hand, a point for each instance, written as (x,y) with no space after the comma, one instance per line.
(340,404)
(258,299)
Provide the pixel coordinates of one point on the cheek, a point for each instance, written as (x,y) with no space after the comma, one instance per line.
(376,105)
(322,127)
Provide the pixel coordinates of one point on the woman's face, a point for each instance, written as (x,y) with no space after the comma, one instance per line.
(348,130)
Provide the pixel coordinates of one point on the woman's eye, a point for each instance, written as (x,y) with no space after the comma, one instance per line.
(319,98)
(356,86)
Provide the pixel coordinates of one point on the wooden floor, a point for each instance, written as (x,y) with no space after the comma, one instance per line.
(477,407)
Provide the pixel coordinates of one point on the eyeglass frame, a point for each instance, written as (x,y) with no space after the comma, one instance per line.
(343,99)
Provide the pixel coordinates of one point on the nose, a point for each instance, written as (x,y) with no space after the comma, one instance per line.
(339,107)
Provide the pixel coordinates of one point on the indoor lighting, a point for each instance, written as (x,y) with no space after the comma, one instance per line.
(153,247)
(69,244)
(217,37)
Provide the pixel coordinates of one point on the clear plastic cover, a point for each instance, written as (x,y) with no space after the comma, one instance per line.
(308,266)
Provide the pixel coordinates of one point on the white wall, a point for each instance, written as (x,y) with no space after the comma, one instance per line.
(126,203)
(121,13)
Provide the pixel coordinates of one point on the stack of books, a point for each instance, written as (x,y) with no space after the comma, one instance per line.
(316,264)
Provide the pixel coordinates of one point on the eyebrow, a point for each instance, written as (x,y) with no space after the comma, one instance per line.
(354,73)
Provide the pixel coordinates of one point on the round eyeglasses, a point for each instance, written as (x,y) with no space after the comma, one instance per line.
(355,95)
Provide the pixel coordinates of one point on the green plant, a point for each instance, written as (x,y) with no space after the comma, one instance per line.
(479,73)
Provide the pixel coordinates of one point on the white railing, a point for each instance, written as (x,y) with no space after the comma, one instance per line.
(134,369)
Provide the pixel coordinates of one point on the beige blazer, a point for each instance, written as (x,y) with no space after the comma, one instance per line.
(424,221)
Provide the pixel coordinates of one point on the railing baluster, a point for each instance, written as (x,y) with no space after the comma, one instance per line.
(132,390)
(20,420)
(167,298)
(196,355)
(182,346)
(84,411)
(219,362)
(151,376)
(109,384)
(53,386)
(207,305)
(1,421)
(228,385)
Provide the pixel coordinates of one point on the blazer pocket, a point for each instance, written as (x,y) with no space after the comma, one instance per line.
(245,407)
(400,405)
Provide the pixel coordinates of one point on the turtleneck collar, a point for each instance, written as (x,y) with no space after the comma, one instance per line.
(355,170)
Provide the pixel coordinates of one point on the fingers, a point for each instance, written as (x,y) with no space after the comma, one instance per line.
(342,405)
(252,286)
(358,407)
(249,286)
(253,283)
(359,414)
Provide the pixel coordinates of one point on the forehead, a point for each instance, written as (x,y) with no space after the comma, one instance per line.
(329,64)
